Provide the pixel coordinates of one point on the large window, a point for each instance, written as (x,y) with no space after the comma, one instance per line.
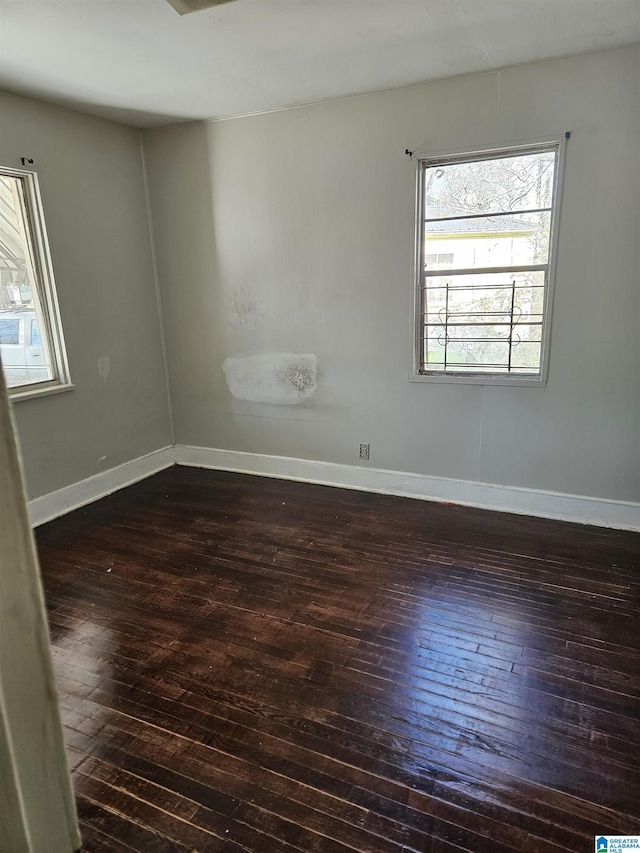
(31,340)
(485,252)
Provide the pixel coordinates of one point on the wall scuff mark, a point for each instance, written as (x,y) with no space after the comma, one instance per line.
(279,378)
(104,367)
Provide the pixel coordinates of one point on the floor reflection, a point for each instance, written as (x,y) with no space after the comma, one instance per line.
(450,649)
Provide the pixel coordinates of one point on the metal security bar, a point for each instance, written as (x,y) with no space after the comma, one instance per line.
(453,331)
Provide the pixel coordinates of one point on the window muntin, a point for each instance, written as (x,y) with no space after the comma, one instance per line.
(485,230)
(36,361)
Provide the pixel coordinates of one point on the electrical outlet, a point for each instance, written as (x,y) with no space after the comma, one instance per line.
(364,451)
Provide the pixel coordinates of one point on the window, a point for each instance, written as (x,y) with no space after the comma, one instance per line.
(439,259)
(31,340)
(486,222)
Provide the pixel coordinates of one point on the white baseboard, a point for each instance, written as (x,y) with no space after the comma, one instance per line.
(586,510)
(105,483)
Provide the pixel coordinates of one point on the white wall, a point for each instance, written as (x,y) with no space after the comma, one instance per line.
(92,185)
(294,232)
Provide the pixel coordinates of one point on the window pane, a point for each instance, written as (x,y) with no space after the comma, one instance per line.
(522,182)
(488,322)
(493,286)
(495,241)
(526,354)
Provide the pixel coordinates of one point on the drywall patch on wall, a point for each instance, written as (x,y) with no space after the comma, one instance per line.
(104,367)
(279,378)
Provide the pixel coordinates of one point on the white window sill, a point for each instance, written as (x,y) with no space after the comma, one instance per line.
(466,379)
(26,392)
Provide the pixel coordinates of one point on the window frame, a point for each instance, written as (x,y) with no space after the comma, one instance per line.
(424,160)
(45,285)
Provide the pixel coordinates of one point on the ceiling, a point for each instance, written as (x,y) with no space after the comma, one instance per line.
(140,63)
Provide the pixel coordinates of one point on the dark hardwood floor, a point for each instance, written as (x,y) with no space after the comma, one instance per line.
(248,664)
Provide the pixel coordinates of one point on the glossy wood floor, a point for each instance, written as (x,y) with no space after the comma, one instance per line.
(247,664)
